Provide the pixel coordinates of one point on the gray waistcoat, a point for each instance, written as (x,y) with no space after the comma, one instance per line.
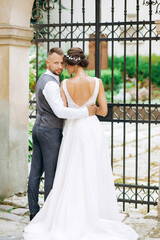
(45,116)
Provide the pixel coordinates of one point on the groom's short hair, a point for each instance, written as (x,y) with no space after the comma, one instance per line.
(57,50)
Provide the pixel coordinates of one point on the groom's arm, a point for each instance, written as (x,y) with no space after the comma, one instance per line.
(51,93)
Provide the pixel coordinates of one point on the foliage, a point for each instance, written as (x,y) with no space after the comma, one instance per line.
(155,73)
(32,79)
(42,55)
(64,75)
(32,67)
(30,143)
(106,76)
(143,68)
(119,64)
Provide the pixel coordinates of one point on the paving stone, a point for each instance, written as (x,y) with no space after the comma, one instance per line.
(11,229)
(146,225)
(124,216)
(146,228)
(20,211)
(6,207)
(151,215)
(10,216)
(9,238)
(136,215)
(25,220)
(130,151)
(148,238)
(17,201)
(155,233)
(142,226)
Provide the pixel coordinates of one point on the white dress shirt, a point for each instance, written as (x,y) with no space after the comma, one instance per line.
(52,95)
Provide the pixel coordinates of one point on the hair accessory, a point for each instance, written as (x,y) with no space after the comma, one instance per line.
(73,58)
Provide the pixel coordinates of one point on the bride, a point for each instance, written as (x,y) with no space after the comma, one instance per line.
(82,204)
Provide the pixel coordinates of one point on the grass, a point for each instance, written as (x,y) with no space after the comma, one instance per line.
(1,200)
(9,210)
(27,213)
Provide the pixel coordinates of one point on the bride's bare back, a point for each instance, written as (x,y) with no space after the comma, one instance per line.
(80,89)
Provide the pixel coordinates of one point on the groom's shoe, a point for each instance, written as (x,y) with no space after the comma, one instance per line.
(32,216)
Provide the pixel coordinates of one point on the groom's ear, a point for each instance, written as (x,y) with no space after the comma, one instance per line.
(47,62)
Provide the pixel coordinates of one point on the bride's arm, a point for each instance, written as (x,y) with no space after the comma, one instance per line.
(63,96)
(102,110)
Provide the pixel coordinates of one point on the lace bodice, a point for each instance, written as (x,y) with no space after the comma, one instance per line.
(92,99)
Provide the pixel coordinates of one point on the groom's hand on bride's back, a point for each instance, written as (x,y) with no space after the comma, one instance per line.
(92,109)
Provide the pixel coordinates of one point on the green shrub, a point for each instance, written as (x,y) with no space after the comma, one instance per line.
(106,76)
(119,64)
(130,66)
(42,56)
(32,79)
(90,73)
(143,68)
(30,143)
(64,75)
(155,74)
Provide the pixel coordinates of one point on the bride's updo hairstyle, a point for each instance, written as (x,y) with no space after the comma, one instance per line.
(75,56)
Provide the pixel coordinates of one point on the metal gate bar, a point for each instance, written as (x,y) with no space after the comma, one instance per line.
(125,113)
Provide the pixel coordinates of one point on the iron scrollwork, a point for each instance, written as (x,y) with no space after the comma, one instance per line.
(158,9)
(48,5)
(153,2)
(37,12)
(150,2)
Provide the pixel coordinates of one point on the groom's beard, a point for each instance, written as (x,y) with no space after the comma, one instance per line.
(58,72)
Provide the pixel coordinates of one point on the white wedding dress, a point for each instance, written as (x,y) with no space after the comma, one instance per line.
(82,204)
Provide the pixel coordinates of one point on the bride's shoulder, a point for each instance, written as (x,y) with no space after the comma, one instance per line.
(62,86)
(94,78)
(63,81)
(98,79)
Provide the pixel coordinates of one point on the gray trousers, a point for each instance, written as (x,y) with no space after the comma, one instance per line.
(46,144)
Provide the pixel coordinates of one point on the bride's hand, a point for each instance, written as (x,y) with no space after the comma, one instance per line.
(92,109)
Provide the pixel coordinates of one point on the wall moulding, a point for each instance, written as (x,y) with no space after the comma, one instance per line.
(157,22)
(15,35)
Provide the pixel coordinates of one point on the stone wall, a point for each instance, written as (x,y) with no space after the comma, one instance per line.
(15,39)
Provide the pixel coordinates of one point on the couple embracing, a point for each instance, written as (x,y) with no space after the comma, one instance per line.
(80,201)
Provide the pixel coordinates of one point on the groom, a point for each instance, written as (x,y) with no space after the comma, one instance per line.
(47,131)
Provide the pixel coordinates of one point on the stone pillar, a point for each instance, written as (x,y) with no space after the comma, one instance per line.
(104,54)
(91,56)
(159,197)
(157,22)
(15,39)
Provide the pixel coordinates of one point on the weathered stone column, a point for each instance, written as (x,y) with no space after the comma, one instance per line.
(15,39)
(104,54)
(158,31)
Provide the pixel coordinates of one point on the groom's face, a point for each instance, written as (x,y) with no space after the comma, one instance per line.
(55,63)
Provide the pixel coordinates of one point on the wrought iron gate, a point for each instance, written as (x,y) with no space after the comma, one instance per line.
(105,27)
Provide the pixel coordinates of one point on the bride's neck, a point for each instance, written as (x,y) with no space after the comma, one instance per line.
(79,72)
